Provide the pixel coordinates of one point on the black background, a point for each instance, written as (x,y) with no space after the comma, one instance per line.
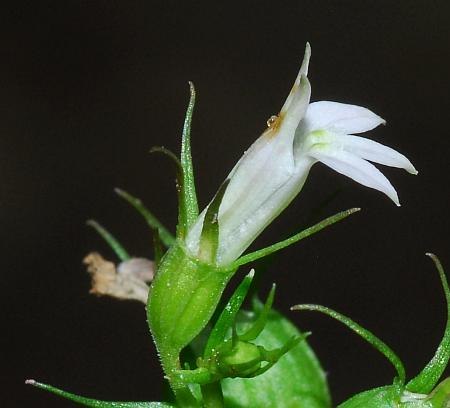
(87,87)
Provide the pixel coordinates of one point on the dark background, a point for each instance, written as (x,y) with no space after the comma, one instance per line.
(87,87)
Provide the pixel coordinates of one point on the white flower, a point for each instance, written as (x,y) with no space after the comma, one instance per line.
(273,170)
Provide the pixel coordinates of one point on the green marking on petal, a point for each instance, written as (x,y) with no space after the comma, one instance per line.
(209,239)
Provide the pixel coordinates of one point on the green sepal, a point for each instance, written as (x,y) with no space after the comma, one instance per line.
(158,251)
(89,402)
(296,380)
(253,256)
(183,296)
(209,238)
(166,237)
(258,326)
(228,315)
(425,381)
(189,196)
(373,340)
(115,245)
(181,225)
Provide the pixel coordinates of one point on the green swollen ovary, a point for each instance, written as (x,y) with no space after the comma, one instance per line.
(182,299)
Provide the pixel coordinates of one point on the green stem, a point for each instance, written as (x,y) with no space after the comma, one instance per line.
(212,395)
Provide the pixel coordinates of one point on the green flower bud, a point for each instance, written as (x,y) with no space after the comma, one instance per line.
(242,360)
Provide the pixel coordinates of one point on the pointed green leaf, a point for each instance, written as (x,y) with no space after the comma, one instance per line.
(110,239)
(379,345)
(209,239)
(425,381)
(226,318)
(295,238)
(89,402)
(189,194)
(166,237)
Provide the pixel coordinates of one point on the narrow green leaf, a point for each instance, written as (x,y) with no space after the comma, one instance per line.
(425,381)
(89,402)
(253,332)
(292,240)
(379,345)
(226,318)
(110,239)
(209,239)
(166,237)
(189,194)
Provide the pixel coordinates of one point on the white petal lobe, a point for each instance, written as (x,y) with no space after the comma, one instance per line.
(341,117)
(357,169)
(302,72)
(376,152)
